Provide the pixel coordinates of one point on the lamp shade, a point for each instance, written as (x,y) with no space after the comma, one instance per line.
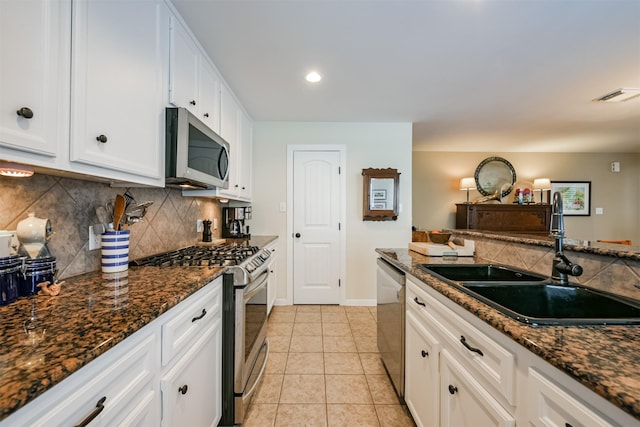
(542,184)
(467,184)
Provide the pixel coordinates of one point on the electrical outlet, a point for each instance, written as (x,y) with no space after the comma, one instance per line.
(95,241)
(199,226)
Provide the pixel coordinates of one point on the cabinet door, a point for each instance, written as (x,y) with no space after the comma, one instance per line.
(229,130)
(466,403)
(183,69)
(273,279)
(422,379)
(209,96)
(117,103)
(245,163)
(34,74)
(192,389)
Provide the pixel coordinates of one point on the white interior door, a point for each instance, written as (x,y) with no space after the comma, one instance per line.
(316,227)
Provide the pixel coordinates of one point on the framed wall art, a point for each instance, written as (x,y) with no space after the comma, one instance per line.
(576,197)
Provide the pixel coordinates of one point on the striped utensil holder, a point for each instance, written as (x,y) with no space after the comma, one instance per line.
(115,251)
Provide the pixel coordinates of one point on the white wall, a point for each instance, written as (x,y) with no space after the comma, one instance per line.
(375,145)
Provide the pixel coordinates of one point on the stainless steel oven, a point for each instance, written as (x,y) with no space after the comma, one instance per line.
(244,336)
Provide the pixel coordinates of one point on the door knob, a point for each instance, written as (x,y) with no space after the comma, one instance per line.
(101,138)
(298,235)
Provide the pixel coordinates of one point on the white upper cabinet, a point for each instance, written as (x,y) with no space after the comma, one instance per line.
(193,82)
(34,78)
(119,49)
(245,165)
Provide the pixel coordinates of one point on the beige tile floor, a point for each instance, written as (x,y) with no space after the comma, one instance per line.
(324,370)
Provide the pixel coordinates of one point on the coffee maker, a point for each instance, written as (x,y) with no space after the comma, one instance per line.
(233,225)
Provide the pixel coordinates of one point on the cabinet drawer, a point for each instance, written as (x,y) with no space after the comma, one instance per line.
(549,405)
(123,380)
(494,363)
(198,311)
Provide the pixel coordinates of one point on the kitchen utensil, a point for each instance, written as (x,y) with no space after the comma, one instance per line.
(102,215)
(118,210)
(128,199)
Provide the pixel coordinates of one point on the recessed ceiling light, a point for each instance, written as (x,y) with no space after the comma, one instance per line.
(619,95)
(313,77)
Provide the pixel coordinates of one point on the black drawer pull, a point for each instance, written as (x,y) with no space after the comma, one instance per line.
(96,411)
(101,138)
(463,340)
(424,353)
(183,389)
(452,389)
(419,302)
(25,112)
(204,312)
(567,425)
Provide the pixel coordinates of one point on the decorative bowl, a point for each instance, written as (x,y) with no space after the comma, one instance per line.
(439,237)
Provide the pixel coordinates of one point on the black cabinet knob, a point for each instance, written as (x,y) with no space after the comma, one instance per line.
(452,389)
(192,102)
(206,114)
(25,112)
(183,389)
(298,235)
(101,138)
(424,353)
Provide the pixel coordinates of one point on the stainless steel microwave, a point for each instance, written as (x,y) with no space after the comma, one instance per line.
(196,156)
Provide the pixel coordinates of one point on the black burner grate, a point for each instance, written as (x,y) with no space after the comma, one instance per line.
(200,256)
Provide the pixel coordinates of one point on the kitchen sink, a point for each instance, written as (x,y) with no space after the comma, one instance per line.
(482,273)
(534,299)
(552,304)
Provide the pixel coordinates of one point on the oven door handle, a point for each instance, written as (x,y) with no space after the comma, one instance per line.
(260,374)
(254,287)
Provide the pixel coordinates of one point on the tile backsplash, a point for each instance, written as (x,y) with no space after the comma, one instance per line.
(170,222)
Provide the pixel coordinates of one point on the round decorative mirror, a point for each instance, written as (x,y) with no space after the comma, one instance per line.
(492,174)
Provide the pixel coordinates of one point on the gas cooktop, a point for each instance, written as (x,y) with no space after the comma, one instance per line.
(200,256)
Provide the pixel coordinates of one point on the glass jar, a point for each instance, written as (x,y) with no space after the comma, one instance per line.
(10,268)
(36,271)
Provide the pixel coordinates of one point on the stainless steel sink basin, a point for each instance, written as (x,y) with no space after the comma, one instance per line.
(481,273)
(534,299)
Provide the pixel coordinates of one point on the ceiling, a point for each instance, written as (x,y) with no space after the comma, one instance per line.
(471,75)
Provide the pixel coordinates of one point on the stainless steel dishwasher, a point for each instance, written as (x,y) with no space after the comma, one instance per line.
(391,318)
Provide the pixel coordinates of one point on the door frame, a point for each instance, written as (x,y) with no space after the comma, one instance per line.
(342,149)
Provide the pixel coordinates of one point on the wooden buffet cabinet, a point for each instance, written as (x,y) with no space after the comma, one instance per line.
(534,218)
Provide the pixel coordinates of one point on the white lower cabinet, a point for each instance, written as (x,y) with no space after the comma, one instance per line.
(422,387)
(551,406)
(272,284)
(127,385)
(190,386)
(472,375)
(464,402)
(118,388)
(191,381)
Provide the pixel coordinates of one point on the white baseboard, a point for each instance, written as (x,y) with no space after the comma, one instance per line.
(352,302)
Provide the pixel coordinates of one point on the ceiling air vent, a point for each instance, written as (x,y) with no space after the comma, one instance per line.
(619,95)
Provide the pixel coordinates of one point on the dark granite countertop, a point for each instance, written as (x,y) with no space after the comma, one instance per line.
(603,358)
(92,314)
(586,246)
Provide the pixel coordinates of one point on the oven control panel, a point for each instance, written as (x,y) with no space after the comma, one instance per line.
(257,260)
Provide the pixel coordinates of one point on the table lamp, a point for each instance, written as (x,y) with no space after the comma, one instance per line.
(467,184)
(542,184)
